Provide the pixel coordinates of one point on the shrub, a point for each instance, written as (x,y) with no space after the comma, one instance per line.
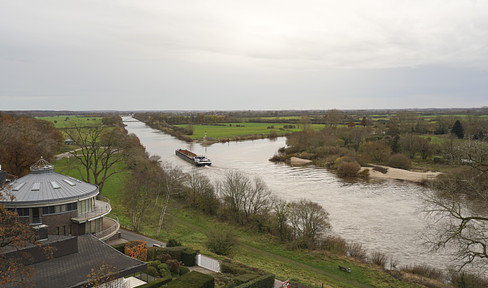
(334,244)
(425,271)
(173,265)
(348,169)
(379,259)
(136,249)
(193,279)
(162,266)
(188,257)
(183,270)
(265,281)
(154,263)
(120,247)
(244,278)
(356,250)
(220,241)
(466,280)
(380,169)
(151,270)
(164,257)
(173,243)
(156,283)
(399,161)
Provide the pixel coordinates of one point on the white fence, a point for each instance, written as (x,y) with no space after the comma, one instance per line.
(208,263)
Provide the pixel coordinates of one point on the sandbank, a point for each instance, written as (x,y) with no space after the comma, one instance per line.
(401,174)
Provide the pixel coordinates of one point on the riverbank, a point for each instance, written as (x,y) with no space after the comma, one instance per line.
(400,174)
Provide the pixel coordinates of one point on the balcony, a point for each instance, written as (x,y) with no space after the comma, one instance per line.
(110,228)
(101,208)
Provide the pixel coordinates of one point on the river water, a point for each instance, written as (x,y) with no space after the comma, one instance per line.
(385,216)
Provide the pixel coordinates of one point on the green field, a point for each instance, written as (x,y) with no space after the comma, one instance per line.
(229,130)
(65,121)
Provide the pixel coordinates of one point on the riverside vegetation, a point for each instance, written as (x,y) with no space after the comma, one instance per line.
(184,211)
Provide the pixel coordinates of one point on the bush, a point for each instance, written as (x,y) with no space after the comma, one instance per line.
(334,244)
(136,249)
(244,278)
(265,281)
(173,243)
(164,257)
(348,169)
(193,279)
(173,266)
(466,280)
(399,161)
(120,247)
(220,241)
(151,270)
(356,250)
(379,259)
(425,271)
(183,270)
(188,257)
(154,263)
(156,283)
(228,267)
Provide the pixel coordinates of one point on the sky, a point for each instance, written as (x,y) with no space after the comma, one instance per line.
(243,55)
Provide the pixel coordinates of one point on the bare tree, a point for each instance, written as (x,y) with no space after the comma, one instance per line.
(281,213)
(308,219)
(100,150)
(173,179)
(201,193)
(232,190)
(460,203)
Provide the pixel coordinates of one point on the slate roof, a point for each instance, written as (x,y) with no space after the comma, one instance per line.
(44,186)
(72,270)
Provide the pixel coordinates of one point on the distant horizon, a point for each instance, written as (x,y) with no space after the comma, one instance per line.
(250,55)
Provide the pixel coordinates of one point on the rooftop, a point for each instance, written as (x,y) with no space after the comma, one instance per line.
(72,270)
(44,186)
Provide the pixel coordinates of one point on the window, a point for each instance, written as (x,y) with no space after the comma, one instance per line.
(57,230)
(64,230)
(23,212)
(48,210)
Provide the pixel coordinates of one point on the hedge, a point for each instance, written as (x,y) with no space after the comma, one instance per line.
(183,254)
(231,268)
(244,278)
(193,279)
(265,281)
(156,283)
(151,270)
(120,247)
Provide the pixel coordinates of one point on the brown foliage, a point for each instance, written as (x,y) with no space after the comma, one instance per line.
(23,140)
(136,249)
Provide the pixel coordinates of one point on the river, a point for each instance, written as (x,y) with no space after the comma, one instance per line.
(385,216)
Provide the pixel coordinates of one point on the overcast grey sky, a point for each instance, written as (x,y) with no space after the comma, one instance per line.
(240,55)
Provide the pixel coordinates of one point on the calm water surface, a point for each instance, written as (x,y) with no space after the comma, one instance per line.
(385,216)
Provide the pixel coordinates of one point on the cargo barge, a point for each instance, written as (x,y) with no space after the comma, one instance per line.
(193,158)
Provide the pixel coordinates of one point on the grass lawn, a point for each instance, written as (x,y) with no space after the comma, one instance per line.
(266,252)
(113,187)
(241,129)
(65,121)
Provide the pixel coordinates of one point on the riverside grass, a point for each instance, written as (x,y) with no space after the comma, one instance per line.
(230,130)
(255,249)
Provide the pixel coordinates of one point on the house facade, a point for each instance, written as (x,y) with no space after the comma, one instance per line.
(61,204)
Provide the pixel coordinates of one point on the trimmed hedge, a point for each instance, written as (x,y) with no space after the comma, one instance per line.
(193,279)
(183,254)
(265,281)
(156,283)
(120,247)
(231,268)
(244,278)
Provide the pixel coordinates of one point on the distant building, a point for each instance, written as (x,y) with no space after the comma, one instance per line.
(69,142)
(66,205)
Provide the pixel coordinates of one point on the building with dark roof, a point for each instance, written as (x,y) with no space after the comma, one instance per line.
(74,258)
(66,205)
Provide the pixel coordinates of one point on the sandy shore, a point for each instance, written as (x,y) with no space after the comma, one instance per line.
(400,174)
(299,161)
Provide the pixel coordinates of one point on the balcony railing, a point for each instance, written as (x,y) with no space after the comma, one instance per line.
(102,208)
(110,228)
